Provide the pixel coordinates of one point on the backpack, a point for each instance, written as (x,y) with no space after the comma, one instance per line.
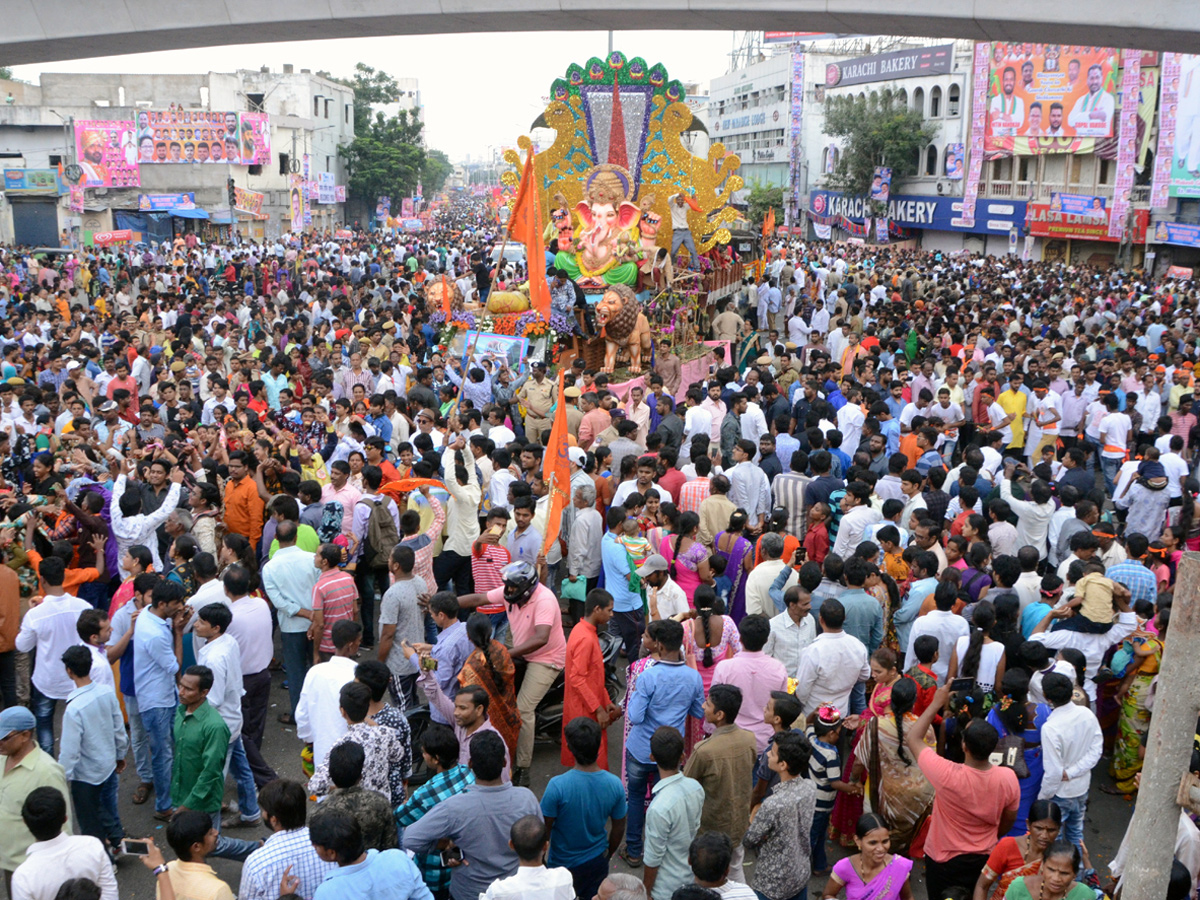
(381,534)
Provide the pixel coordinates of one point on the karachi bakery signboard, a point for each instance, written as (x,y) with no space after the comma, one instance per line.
(1050,90)
(107,153)
(937,60)
(911,211)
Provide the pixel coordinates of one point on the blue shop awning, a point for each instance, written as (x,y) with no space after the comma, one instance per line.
(194,212)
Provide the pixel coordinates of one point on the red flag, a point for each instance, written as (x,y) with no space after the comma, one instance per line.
(556,469)
(525,225)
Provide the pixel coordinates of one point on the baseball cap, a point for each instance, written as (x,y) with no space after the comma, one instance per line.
(17,718)
(654,563)
(108,406)
(73,364)
(577,455)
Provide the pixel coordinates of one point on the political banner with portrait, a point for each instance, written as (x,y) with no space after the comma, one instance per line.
(1077,204)
(955,161)
(107,153)
(1179,233)
(256,138)
(339,193)
(325,189)
(1051,91)
(1183,129)
(248,201)
(881,184)
(161,202)
(176,135)
(498,348)
(296,204)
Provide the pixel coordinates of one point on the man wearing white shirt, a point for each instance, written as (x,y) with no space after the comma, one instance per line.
(1071,747)
(1093,112)
(749,487)
(943,623)
(697,420)
(319,720)
(56,857)
(251,629)
(832,664)
(753,422)
(533,880)
(50,628)
(1092,646)
(857,515)
(850,420)
(793,629)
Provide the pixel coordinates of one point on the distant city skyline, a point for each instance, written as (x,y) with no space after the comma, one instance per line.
(478,90)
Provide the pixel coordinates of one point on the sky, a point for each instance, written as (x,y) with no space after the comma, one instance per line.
(478,90)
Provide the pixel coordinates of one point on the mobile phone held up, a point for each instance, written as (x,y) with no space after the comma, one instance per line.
(135,848)
(452,855)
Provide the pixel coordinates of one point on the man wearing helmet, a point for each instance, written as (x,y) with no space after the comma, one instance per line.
(537,638)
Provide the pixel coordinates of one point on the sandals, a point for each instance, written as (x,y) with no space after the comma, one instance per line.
(634,862)
(142,793)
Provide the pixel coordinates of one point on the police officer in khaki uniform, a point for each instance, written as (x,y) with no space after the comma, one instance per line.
(537,396)
(574,413)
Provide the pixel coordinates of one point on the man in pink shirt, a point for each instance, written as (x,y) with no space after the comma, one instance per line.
(756,674)
(537,637)
(973,805)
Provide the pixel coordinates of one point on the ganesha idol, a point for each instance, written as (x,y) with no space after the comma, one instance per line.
(606,242)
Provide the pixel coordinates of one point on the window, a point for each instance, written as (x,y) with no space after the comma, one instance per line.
(255,102)
(55,160)
(1106,171)
(918,101)
(902,97)
(328,163)
(283,164)
(931,160)
(935,102)
(953,99)
(1024,167)
(327,105)
(316,106)
(347,113)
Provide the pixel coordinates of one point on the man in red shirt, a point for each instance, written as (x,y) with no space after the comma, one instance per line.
(974,802)
(334,598)
(584,692)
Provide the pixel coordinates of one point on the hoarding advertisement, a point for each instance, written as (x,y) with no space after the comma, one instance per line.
(248,201)
(32,181)
(1181,149)
(1046,222)
(1051,90)
(162,202)
(1127,140)
(203,136)
(326,195)
(795,129)
(955,159)
(1078,204)
(1178,233)
(296,204)
(107,153)
(980,79)
(881,184)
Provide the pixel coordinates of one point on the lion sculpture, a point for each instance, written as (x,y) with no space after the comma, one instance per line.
(433,296)
(622,323)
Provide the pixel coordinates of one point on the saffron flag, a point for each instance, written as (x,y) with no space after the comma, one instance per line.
(446,301)
(556,470)
(525,225)
(769,222)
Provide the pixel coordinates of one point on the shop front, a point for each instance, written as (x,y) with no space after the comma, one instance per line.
(1082,240)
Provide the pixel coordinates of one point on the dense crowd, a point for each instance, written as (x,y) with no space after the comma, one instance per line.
(890,580)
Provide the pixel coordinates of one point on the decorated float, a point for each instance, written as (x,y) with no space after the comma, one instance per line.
(604,192)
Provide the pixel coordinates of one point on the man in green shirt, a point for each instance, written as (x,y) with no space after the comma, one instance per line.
(25,766)
(201,749)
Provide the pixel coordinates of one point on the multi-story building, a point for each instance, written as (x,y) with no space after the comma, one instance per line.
(310,115)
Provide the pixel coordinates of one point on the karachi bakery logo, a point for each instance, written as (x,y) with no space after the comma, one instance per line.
(818,204)
(833,74)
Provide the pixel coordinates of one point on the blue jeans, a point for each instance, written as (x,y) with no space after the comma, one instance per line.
(1074,810)
(239,766)
(499,625)
(639,777)
(231,848)
(297,657)
(820,828)
(159,725)
(140,741)
(96,809)
(43,711)
(858,698)
(1111,468)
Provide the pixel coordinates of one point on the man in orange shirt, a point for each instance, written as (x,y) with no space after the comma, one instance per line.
(243,506)
(74,576)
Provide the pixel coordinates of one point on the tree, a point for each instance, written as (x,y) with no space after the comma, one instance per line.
(761,198)
(371,88)
(6,73)
(878,130)
(437,170)
(385,158)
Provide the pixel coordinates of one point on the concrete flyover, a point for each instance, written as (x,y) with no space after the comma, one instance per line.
(38,31)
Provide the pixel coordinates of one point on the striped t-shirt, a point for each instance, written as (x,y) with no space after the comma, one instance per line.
(825,767)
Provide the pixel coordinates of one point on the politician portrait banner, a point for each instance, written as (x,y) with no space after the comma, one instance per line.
(296,204)
(203,136)
(1051,90)
(107,153)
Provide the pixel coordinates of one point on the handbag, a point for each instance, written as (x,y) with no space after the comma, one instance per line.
(1010,753)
